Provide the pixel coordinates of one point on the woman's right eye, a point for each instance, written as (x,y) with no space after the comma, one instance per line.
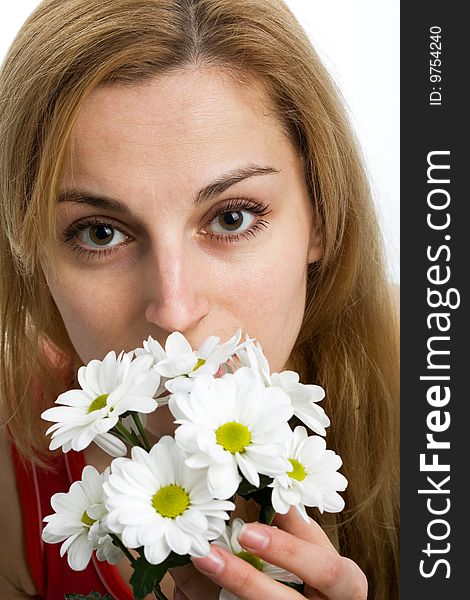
(95,238)
(99,236)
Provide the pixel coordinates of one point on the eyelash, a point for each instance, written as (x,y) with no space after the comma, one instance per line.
(260,210)
(248,205)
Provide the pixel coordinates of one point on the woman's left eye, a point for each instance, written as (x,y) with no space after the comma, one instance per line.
(237,219)
(233,220)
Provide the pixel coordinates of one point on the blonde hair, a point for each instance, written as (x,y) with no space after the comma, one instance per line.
(348,340)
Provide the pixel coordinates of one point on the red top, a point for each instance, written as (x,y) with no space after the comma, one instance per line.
(51,574)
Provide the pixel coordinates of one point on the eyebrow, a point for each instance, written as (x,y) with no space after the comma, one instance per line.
(216,187)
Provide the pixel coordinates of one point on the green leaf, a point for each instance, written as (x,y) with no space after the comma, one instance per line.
(91,596)
(177,560)
(147,576)
(247,490)
(267,514)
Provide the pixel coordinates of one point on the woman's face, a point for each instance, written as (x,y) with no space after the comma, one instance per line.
(183,207)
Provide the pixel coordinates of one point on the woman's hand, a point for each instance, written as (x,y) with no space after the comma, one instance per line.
(299,547)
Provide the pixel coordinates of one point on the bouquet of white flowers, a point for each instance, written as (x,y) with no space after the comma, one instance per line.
(233,436)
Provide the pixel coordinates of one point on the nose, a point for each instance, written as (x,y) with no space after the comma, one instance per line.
(178,294)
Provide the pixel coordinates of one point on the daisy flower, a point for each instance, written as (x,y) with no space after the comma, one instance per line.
(77,519)
(152,348)
(312,479)
(230,423)
(154,500)
(229,541)
(303,396)
(106,550)
(183,364)
(109,389)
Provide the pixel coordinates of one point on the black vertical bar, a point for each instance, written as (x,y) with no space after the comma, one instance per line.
(434,252)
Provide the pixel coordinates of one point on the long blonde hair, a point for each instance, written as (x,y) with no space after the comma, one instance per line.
(348,340)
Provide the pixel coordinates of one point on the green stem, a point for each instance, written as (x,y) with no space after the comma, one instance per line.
(118,435)
(143,435)
(159,594)
(123,433)
(118,542)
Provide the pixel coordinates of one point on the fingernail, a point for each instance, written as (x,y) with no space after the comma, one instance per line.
(212,564)
(253,537)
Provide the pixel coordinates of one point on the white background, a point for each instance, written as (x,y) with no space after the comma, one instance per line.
(358,41)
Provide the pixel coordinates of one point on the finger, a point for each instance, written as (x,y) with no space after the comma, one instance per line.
(193,585)
(240,578)
(309,531)
(325,570)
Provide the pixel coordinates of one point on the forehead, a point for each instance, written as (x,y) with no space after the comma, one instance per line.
(195,119)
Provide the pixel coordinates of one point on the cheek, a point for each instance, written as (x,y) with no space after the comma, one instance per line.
(91,315)
(269,300)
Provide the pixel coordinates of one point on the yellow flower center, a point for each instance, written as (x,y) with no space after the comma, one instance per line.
(200,362)
(253,560)
(298,470)
(170,501)
(98,403)
(233,437)
(86,520)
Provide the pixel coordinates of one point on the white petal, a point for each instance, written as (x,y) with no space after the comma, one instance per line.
(178,365)
(198,460)
(177,344)
(91,482)
(280,574)
(178,541)
(179,385)
(199,546)
(111,444)
(208,346)
(186,437)
(144,405)
(313,416)
(192,521)
(157,552)
(76,398)
(333,502)
(278,502)
(247,468)
(154,531)
(79,553)
(63,413)
(223,480)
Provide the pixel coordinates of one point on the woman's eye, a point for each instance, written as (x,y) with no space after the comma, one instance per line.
(101,236)
(231,220)
(95,239)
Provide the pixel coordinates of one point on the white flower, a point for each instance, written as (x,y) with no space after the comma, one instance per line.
(155,501)
(107,551)
(183,364)
(152,348)
(253,356)
(77,518)
(109,389)
(312,479)
(303,396)
(229,423)
(229,541)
